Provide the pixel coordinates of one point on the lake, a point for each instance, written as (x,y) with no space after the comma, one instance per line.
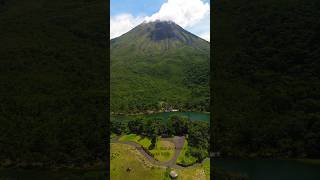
(271,169)
(195,116)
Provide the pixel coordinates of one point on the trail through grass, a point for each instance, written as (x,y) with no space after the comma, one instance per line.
(185,158)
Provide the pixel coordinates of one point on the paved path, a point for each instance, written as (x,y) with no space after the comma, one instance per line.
(178,142)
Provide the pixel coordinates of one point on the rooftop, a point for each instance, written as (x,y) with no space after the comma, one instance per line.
(173,174)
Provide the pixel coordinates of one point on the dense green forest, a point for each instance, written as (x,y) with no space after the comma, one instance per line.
(53,89)
(197,132)
(159,66)
(266,86)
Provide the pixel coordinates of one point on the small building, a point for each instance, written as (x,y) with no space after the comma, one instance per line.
(173,175)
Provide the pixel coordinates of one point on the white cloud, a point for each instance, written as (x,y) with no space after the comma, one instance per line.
(201,28)
(183,12)
(205,36)
(193,15)
(122,23)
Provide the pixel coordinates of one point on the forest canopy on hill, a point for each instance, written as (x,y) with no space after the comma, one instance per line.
(53,89)
(266,74)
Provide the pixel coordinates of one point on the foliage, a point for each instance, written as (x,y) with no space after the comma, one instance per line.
(266,78)
(197,133)
(53,83)
(185,158)
(117,127)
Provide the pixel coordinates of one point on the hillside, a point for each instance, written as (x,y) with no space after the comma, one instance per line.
(159,65)
(266,78)
(52,83)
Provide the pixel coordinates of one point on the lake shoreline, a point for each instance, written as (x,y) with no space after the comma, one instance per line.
(156,112)
(201,116)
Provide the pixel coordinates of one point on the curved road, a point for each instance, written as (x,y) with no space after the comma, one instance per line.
(178,141)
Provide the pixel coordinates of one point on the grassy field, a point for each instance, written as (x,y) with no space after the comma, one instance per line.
(197,173)
(206,167)
(145,142)
(124,156)
(163,151)
(201,172)
(185,158)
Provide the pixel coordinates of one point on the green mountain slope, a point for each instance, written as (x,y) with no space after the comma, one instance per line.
(52,83)
(266,78)
(159,65)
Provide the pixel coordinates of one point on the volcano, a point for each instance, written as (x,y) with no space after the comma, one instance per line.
(159,65)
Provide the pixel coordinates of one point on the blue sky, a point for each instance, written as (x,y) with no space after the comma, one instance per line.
(135,7)
(193,15)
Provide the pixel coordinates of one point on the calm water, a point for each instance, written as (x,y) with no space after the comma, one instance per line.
(195,116)
(271,169)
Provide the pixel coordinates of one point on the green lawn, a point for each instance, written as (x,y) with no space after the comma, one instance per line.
(124,157)
(145,142)
(206,167)
(164,150)
(185,158)
(197,173)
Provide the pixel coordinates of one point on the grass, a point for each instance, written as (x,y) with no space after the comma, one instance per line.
(206,167)
(185,158)
(164,151)
(124,156)
(112,135)
(197,173)
(145,142)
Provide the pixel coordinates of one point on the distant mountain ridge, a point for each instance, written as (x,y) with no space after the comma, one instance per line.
(159,65)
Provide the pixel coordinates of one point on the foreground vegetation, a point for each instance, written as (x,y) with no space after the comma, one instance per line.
(143,141)
(185,158)
(162,151)
(197,133)
(127,163)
